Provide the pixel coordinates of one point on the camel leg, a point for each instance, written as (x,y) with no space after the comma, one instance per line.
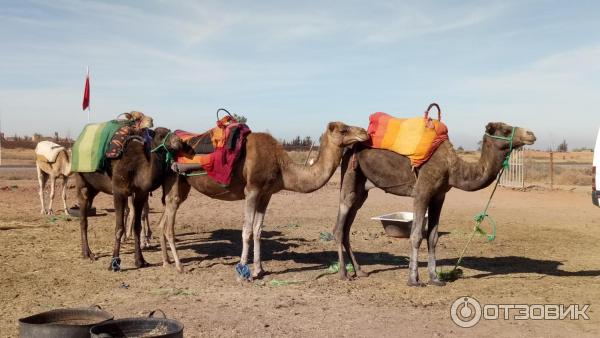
(176,192)
(435,210)
(139,200)
(352,196)
(128,218)
(163,238)
(52,186)
(85,197)
(416,236)
(120,202)
(64,193)
(261,209)
(147,232)
(360,200)
(249,215)
(42,178)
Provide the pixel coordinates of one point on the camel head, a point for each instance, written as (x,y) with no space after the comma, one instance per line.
(164,137)
(500,134)
(343,135)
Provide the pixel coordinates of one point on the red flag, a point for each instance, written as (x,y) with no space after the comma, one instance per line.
(86,92)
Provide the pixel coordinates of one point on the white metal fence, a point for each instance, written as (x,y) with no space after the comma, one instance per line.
(514,175)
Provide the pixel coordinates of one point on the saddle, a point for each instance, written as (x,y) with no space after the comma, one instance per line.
(214,152)
(417,138)
(134,126)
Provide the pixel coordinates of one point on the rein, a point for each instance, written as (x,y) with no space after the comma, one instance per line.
(169,157)
(480,217)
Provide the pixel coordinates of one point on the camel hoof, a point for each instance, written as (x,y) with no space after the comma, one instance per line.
(258,275)
(415,283)
(180,269)
(89,255)
(361,273)
(346,278)
(115,264)
(141,263)
(436,282)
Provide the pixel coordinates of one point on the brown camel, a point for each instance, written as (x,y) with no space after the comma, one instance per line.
(136,174)
(365,168)
(59,168)
(264,170)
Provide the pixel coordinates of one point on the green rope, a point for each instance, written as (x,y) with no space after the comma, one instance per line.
(169,157)
(480,217)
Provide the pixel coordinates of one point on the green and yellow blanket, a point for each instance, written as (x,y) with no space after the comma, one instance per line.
(90,147)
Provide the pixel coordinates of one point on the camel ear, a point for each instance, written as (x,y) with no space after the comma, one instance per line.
(331,126)
(491,128)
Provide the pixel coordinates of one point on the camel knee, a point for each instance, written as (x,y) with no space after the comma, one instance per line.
(246,234)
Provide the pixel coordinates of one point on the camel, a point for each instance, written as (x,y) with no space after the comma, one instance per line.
(136,174)
(264,169)
(59,168)
(364,168)
(146,231)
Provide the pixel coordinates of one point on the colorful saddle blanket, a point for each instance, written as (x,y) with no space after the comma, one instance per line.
(90,147)
(216,150)
(416,138)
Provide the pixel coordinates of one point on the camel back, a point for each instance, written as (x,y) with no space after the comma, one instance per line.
(417,138)
(90,147)
(47,151)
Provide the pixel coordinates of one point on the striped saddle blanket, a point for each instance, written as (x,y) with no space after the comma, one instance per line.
(215,150)
(417,138)
(91,145)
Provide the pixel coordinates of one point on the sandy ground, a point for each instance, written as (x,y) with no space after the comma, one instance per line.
(546,252)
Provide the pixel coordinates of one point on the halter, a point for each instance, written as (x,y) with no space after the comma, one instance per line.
(510,139)
(169,157)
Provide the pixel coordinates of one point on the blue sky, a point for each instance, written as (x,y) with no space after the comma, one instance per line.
(292,66)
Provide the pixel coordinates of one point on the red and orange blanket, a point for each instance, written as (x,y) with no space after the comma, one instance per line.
(215,151)
(417,138)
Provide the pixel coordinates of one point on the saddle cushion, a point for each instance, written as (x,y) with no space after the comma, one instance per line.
(416,138)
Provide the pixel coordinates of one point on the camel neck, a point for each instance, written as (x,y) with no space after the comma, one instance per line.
(475,176)
(305,179)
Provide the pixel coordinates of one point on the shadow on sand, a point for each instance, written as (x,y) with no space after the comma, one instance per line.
(227,244)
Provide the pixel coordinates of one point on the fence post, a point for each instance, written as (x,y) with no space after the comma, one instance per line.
(551,170)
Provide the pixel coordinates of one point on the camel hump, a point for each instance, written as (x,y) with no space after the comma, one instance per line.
(47,151)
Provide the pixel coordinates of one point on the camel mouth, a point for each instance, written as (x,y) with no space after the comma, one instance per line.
(362,138)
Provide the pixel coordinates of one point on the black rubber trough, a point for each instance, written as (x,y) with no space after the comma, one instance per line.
(67,323)
(150,326)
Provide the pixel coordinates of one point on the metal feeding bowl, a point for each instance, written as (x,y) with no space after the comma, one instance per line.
(60,323)
(398,224)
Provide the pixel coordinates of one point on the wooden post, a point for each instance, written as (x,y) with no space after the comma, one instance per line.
(551,170)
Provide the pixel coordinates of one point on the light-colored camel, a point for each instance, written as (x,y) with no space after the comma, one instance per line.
(365,168)
(136,173)
(60,168)
(264,170)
